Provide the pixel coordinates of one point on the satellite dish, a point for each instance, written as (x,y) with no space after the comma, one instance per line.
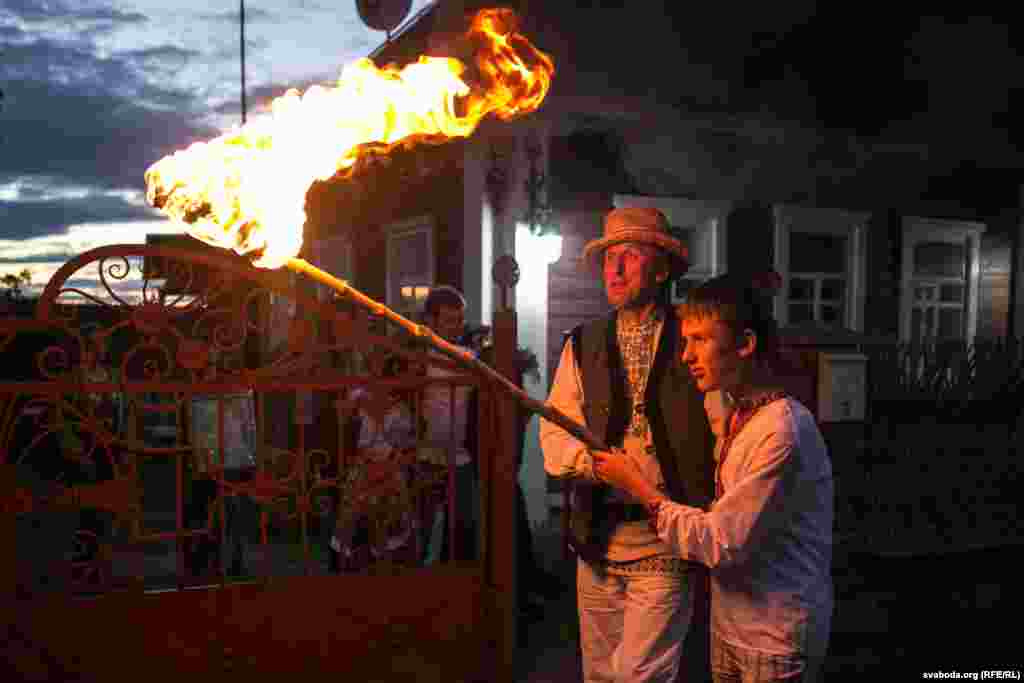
(383,15)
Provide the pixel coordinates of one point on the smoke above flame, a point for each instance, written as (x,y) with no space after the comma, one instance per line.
(245,190)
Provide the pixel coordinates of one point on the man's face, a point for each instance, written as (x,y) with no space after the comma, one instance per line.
(449,322)
(631,274)
(713,353)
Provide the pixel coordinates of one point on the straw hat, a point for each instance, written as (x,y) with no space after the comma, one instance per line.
(641,226)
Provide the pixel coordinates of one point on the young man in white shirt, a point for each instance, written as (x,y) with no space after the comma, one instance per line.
(767,537)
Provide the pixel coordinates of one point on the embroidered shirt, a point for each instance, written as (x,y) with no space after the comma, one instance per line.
(768,537)
(567,456)
(636,346)
(445,409)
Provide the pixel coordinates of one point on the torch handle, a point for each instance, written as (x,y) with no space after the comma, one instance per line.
(448,349)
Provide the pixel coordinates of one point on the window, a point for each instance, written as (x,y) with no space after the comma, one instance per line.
(940,279)
(700,225)
(817,278)
(820,255)
(410,264)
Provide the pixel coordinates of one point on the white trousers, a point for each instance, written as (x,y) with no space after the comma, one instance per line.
(632,627)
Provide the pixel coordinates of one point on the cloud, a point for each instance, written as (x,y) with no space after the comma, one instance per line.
(160,56)
(74,132)
(44,256)
(229,51)
(75,117)
(73,22)
(36,12)
(96,91)
(37,218)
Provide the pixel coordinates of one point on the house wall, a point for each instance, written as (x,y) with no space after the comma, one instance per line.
(994,285)
(587,171)
(576,294)
(750,244)
(425,181)
(882,303)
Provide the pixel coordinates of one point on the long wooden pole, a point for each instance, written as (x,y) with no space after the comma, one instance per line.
(448,349)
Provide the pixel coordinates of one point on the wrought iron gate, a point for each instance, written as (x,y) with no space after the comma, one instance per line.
(225,474)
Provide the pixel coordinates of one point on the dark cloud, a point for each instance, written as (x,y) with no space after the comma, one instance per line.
(38,218)
(74,133)
(82,21)
(34,11)
(162,53)
(52,256)
(85,120)
(75,116)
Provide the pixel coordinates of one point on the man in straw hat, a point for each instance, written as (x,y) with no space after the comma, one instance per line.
(621,375)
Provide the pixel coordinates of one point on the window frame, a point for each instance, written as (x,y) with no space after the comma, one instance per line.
(919,229)
(853,226)
(395,232)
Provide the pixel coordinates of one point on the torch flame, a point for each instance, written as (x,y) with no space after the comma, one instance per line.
(245,190)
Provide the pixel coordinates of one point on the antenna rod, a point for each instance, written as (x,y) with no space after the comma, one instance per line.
(241,17)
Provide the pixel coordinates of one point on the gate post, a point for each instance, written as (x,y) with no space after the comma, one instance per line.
(8,534)
(502,534)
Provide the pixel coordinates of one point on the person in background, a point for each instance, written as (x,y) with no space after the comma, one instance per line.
(445,412)
(767,538)
(621,376)
(384,437)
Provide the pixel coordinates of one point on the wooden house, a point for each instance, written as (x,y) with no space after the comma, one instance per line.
(809,144)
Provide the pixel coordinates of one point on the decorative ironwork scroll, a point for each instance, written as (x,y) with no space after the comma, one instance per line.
(144,400)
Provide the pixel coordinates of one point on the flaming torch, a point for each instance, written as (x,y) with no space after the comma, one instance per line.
(246,189)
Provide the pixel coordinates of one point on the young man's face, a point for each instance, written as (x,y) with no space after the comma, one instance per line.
(449,322)
(714,354)
(632,273)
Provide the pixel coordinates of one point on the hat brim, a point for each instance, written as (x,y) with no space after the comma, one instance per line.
(679,261)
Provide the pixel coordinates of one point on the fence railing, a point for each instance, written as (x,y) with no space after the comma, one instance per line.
(977,383)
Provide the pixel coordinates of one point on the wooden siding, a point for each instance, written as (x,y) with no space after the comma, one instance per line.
(575,293)
(994,286)
(750,242)
(882,303)
(425,181)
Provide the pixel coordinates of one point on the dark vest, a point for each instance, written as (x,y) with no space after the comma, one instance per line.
(675,411)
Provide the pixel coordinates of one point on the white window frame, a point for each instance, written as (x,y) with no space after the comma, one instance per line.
(917,229)
(706,217)
(396,233)
(817,220)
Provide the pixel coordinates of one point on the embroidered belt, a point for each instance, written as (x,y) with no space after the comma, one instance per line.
(660,564)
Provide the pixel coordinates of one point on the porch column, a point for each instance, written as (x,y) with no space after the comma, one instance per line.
(535,255)
(477,236)
(502,540)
